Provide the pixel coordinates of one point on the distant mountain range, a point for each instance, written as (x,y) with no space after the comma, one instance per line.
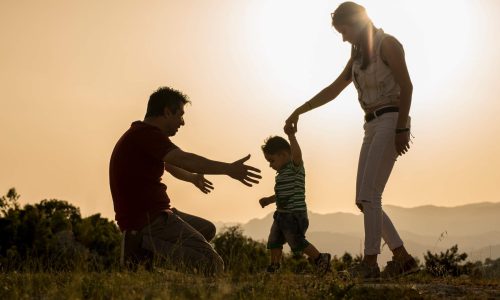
(475,228)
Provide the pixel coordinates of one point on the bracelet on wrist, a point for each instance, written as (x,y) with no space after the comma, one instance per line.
(401,130)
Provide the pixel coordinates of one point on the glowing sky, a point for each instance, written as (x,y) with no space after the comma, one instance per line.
(75,74)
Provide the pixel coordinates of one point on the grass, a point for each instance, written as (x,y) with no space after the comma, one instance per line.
(162,284)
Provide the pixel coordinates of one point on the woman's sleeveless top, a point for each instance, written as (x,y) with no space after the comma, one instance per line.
(375,84)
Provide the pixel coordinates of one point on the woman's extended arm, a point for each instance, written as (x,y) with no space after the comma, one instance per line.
(326,95)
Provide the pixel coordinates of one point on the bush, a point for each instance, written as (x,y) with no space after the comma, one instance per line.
(448,263)
(345,261)
(492,268)
(102,239)
(241,254)
(51,235)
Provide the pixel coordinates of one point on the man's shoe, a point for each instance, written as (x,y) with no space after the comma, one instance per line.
(365,272)
(400,267)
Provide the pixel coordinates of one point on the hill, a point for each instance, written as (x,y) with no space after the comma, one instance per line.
(475,228)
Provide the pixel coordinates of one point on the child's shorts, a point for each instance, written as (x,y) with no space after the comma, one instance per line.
(289,227)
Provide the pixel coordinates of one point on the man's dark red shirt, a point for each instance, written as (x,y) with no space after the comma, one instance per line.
(135,171)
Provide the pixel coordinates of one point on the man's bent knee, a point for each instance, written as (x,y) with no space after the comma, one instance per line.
(210,232)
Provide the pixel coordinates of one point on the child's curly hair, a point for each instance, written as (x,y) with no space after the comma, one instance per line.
(275,144)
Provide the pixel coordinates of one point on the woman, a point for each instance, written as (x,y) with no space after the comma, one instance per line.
(378,69)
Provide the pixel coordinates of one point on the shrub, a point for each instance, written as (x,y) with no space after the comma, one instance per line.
(345,261)
(448,263)
(492,268)
(241,254)
(52,235)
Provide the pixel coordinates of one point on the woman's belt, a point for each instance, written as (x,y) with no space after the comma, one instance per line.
(377,113)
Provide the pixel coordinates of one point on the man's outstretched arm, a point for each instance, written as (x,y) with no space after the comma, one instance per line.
(194,163)
(197,179)
(179,173)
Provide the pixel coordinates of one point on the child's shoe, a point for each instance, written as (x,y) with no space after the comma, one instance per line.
(400,267)
(365,272)
(273,268)
(323,263)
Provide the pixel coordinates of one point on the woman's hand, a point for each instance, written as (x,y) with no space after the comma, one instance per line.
(290,130)
(291,123)
(402,142)
(202,183)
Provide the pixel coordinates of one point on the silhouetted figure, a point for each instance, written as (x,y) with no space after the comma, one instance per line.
(378,69)
(290,218)
(141,204)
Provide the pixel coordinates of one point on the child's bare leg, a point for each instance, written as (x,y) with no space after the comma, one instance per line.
(311,252)
(276,255)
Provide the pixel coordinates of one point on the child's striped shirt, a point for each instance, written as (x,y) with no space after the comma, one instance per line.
(290,188)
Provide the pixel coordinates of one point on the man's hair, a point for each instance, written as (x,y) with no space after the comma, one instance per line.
(275,144)
(165,97)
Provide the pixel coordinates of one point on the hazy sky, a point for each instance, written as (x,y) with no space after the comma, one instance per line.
(75,74)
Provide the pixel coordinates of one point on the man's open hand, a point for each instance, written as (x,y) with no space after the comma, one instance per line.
(244,173)
(202,183)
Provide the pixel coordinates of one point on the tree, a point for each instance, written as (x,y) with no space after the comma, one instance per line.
(9,201)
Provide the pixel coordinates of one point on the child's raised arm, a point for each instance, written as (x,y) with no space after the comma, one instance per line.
(294,147)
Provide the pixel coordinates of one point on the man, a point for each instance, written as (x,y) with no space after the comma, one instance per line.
(141,203)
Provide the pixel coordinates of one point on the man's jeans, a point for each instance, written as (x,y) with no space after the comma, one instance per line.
(376,160)
(181,240)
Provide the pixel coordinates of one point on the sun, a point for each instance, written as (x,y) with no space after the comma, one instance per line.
(438,35)
(296,45)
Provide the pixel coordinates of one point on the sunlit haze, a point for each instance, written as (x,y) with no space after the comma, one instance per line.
(75,74)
